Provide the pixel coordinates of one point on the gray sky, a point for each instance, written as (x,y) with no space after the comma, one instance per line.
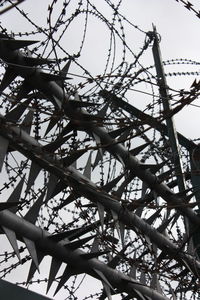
(178,27)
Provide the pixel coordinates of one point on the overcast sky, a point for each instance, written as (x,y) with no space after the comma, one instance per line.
(178,27)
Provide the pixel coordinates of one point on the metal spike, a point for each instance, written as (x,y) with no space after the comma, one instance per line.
(61,185)
(95,245)
(88,167)
(101,214)
(55,266)
(34,171)
(112,239)
(24,90)
(32,250)
(12,239)
(66,234)
(115,133)
(144,189)
(191,248)
(37,61)
(53,180)
(114,261)
(184,193)
(72,157)
(69,271)
(155,283)
(28,121)
(77,97)
(73,196)
(78,232)
(64,72)
(97,139)
(70,127)
(153,217)
(3,150)
(99,157)
(149,244)
(52,77)
(120,159)
(51,147)
(153,168)
(6,205)
(107,290)
(114,215)
(65,69)
(190,196)
(15,196)
(79,243)
(100,152)
(110,185)
(53,121)
(103,278)
(140,296)
(165,224)
(128,298)
(175,218)
(116,220)
(102,113)
(133,272)
(15,114)
(194,84)
(89,205)
(17,191)
(137,293)
(8,77)
(139,210)
(188,266)
(173,294)
(16,44)
(123,137)
(143,278)
(103,295)
(56,102)
(4,36)
(33,267)
(33,213)
(139,149)
(94,254)
(122,232)
(124,184)
(79,104)
(156,197)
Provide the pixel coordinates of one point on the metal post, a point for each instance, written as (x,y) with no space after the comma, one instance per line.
(172,134)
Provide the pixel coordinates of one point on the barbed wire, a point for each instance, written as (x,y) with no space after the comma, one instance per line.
(61,137)
(190,7)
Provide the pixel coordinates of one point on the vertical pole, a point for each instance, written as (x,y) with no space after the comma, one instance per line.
(172,134)
(195,172)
